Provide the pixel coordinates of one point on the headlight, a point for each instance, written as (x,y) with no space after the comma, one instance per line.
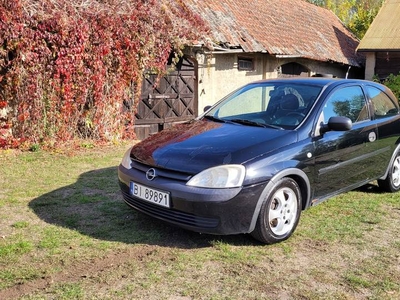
(225,176)
(126,160)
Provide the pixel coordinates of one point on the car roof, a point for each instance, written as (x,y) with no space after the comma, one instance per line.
(328,81)
(320,81)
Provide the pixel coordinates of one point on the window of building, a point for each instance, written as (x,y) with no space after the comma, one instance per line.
(245,64)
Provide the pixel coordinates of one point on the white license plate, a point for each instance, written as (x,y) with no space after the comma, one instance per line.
(150,194)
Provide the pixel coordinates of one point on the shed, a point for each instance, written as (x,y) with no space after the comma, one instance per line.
(381,43)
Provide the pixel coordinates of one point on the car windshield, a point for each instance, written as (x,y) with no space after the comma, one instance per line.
(267,104)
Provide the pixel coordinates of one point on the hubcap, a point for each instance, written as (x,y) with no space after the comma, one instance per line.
(283,211)
(396,172)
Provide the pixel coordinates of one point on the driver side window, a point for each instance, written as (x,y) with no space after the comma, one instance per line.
(346,102)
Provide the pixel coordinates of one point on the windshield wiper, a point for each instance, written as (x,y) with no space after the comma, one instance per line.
(215,119)
(253,123)
(273,126)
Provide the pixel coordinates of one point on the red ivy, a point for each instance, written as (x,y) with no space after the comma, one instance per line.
(66,68)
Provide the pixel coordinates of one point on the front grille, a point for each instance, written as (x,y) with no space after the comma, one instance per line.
(169,214)
(165,173)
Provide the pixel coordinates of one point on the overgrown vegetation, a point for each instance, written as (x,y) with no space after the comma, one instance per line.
(70,68)
(393,82)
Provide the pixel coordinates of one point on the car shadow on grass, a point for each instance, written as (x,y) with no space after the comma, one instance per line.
(94,206)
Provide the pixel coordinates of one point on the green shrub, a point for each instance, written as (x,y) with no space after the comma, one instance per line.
(393,82)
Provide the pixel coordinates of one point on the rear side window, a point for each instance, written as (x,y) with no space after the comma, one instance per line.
(383,105)
(347,102)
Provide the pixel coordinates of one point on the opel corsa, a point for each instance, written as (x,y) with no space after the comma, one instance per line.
(254,160)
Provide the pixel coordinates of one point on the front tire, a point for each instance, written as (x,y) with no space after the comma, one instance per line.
(279,213)
(391,183)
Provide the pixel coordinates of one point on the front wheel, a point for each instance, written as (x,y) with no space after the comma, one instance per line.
(392,181)
(279,213)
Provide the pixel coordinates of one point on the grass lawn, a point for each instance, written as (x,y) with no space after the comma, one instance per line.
(65,233)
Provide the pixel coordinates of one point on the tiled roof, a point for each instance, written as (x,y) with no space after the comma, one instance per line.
(384,32)
(279,27)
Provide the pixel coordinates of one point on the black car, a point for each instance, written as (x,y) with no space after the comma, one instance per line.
(252,162)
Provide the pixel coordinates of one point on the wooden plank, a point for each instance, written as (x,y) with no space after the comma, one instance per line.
(173,99)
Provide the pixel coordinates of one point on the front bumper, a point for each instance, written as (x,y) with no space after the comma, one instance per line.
(213,211)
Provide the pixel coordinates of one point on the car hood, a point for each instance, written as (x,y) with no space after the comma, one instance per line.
(201,144)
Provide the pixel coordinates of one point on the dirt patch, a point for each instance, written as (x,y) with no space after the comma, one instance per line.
(79,271)
(314,266)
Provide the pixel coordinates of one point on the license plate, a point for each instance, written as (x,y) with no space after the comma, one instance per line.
(150,194)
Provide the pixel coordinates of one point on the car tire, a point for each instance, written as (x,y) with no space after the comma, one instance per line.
(279,213)
(391,183)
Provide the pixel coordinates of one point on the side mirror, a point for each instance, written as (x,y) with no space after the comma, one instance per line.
(337,124)
(206,108)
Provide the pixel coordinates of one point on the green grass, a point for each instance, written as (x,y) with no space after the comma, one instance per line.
(65,233)
(69,291)
(15,248)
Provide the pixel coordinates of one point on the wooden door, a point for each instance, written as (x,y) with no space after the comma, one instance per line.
(172,100)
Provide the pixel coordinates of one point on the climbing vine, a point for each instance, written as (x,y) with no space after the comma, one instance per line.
(69,67)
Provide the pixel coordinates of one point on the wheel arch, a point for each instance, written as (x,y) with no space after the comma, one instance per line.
(394,155)
(297,175)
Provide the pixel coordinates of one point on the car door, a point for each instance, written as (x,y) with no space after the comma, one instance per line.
(385,113)
(343,159)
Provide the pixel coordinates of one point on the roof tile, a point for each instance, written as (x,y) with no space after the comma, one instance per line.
(279,27)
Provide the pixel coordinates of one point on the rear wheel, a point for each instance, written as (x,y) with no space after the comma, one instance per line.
(280,213)
(392,182)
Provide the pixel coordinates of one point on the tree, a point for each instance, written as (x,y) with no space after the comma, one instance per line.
(364,15)
(357,15)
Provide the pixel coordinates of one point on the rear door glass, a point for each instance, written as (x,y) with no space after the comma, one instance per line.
(382,104)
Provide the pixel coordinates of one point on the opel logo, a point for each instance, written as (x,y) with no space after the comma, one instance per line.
(151,174)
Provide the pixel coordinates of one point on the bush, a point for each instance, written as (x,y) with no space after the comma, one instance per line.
(393,82)
(68,66)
